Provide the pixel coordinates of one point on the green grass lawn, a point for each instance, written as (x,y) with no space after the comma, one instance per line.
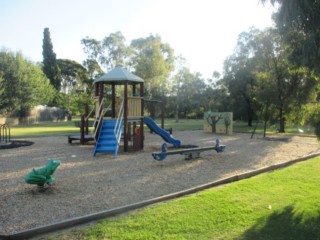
(45,129)
(183,124)
(67,128)
(282,204)
(238,126)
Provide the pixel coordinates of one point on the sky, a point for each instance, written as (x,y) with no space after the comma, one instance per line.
(204,32)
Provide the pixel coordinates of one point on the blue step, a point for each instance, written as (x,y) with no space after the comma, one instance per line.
(107,139)
(105,149)
(107,142)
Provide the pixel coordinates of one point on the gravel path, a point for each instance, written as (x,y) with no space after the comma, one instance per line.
(87,184)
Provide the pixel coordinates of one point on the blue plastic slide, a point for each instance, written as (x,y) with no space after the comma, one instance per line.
(161,132)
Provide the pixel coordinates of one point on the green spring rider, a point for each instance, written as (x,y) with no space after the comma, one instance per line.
(42,176)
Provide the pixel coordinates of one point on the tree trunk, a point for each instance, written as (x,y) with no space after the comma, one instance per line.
(177,113)
(213,121)
(250,122)
(250,116)
(281,121)
(152,110)
(213,127)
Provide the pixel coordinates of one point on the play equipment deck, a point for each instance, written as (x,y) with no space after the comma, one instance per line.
(190,153)
(87,138)
(161,132)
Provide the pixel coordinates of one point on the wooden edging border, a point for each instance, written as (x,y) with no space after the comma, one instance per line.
(120,210)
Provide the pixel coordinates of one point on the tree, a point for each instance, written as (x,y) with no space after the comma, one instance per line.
(73,75)
(153,61)
(76,86)
(261,74)
(282,84)
(188,90)
(239,77)
(149,58)
(117,53)
(298,22)
(109,52)
(50,66)
(93,69)
(23,84)
(92,48)
(216,97)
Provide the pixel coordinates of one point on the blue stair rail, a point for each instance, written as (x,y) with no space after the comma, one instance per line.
(107,141)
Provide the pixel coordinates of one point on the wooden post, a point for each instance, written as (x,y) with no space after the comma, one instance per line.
(153,109)
(82,130)
(125,117)
(86,112)
(162,113)
(265,120)
(133,89)
(129,132)
(142,114)
(101,91)
(113,99)
(96,89)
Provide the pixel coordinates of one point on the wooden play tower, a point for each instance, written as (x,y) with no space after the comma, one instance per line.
(126,110)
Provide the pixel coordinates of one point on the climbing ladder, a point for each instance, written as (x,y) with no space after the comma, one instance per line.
(109,134)
(107,141)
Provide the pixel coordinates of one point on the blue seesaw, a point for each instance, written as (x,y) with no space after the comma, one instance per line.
(190,153)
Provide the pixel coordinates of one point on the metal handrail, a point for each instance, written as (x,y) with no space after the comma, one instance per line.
(118,126)
(99,119)
(87,117)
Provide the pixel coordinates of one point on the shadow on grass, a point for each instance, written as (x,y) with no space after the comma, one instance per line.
(285,225)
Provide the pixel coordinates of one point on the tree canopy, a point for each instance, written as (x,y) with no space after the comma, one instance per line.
(298,22)
(73,75)
(149,58)
(153,61)
(22,83)
(259,73)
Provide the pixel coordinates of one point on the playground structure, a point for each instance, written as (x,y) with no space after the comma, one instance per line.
(5,136)
(126,112)
(166,136)
(127,118)
(83,125)
(151,106)
(190,152)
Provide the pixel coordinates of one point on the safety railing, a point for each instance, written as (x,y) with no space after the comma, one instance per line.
(98,120)
(4,133)
(134,107)
(89,114)
(118,125)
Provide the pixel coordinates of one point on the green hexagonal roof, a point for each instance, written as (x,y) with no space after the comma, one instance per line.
(119,75)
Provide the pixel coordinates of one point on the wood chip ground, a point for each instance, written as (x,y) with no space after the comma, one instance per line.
(86,184)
